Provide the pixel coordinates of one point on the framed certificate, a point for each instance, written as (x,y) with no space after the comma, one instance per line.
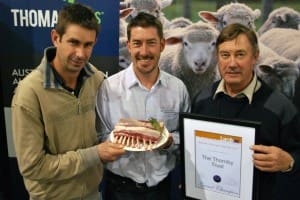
(216,157)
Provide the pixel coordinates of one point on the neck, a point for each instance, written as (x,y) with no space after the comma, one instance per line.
(148,79)
(70,79)
(232,91)
(71,82)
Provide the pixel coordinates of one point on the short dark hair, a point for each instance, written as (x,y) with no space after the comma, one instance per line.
(79,14)
(232,31)
(145,20)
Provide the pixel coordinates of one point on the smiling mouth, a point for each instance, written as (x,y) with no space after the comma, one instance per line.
(145,58)
(145,61)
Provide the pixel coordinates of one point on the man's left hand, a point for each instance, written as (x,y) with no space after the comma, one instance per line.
(270,158)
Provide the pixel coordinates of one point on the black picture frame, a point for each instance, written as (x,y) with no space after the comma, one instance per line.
(185,119)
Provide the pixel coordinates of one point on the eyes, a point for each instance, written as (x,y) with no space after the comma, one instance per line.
(150,43)
(224,55)
(76,43)
(237,55)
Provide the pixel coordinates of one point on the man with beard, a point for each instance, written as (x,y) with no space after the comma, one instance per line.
(142,91)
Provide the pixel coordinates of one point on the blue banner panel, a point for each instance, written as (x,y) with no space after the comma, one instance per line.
(31,22)
(25,32)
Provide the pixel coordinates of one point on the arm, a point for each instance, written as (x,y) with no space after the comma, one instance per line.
(108,151)
(275,158)
(35,160)
(103,125)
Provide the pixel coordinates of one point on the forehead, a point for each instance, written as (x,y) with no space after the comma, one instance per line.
(239,43)
(144,33)
(77,30)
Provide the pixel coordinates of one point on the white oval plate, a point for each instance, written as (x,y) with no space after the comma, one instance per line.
(162,141)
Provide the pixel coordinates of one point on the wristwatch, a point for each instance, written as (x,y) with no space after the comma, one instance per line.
(291,165)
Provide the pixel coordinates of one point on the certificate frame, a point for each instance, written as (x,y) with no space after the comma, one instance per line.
(216,157)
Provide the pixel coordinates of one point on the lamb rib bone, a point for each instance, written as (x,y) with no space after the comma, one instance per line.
(137,133)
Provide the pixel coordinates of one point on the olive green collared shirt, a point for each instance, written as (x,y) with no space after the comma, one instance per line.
(248,92)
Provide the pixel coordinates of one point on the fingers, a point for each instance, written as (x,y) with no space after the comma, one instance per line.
(261,148)
(270,158)
(262,160)
(168,142)
(264,165)
(110,151)
(114,145)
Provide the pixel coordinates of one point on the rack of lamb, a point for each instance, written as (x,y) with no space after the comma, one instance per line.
(138,134)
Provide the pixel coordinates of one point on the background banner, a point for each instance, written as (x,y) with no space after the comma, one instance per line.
(25,27)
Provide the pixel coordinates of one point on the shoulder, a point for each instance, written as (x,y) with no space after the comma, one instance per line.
(273,97)
(114,83)
(97,74)
(171,79)
(33,81)
(28,90)
(281,101)
(116,79)
(117,76)
(174,84)
(281,106)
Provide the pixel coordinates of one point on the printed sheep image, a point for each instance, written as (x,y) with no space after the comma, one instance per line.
(123,24)
(179,22)
(284,41)
(278,72)
(283,17)
(284,72)
(190,55)
(231,13)
(124,55)
(153,7)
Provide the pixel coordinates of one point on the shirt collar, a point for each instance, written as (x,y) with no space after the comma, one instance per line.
(50,79)
(132,80)
(61,81)
(248,92)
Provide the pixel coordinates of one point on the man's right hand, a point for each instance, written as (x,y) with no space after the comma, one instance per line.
(109,151)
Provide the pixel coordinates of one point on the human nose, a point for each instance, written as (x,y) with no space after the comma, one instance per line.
(80,51)
(144,49)
(232,61)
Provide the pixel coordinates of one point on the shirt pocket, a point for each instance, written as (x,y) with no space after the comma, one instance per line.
(170,117)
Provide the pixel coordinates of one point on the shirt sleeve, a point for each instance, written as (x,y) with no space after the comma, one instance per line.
(34,160)
(103,115)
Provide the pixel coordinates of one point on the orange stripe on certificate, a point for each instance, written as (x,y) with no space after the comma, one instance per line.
(218,136)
